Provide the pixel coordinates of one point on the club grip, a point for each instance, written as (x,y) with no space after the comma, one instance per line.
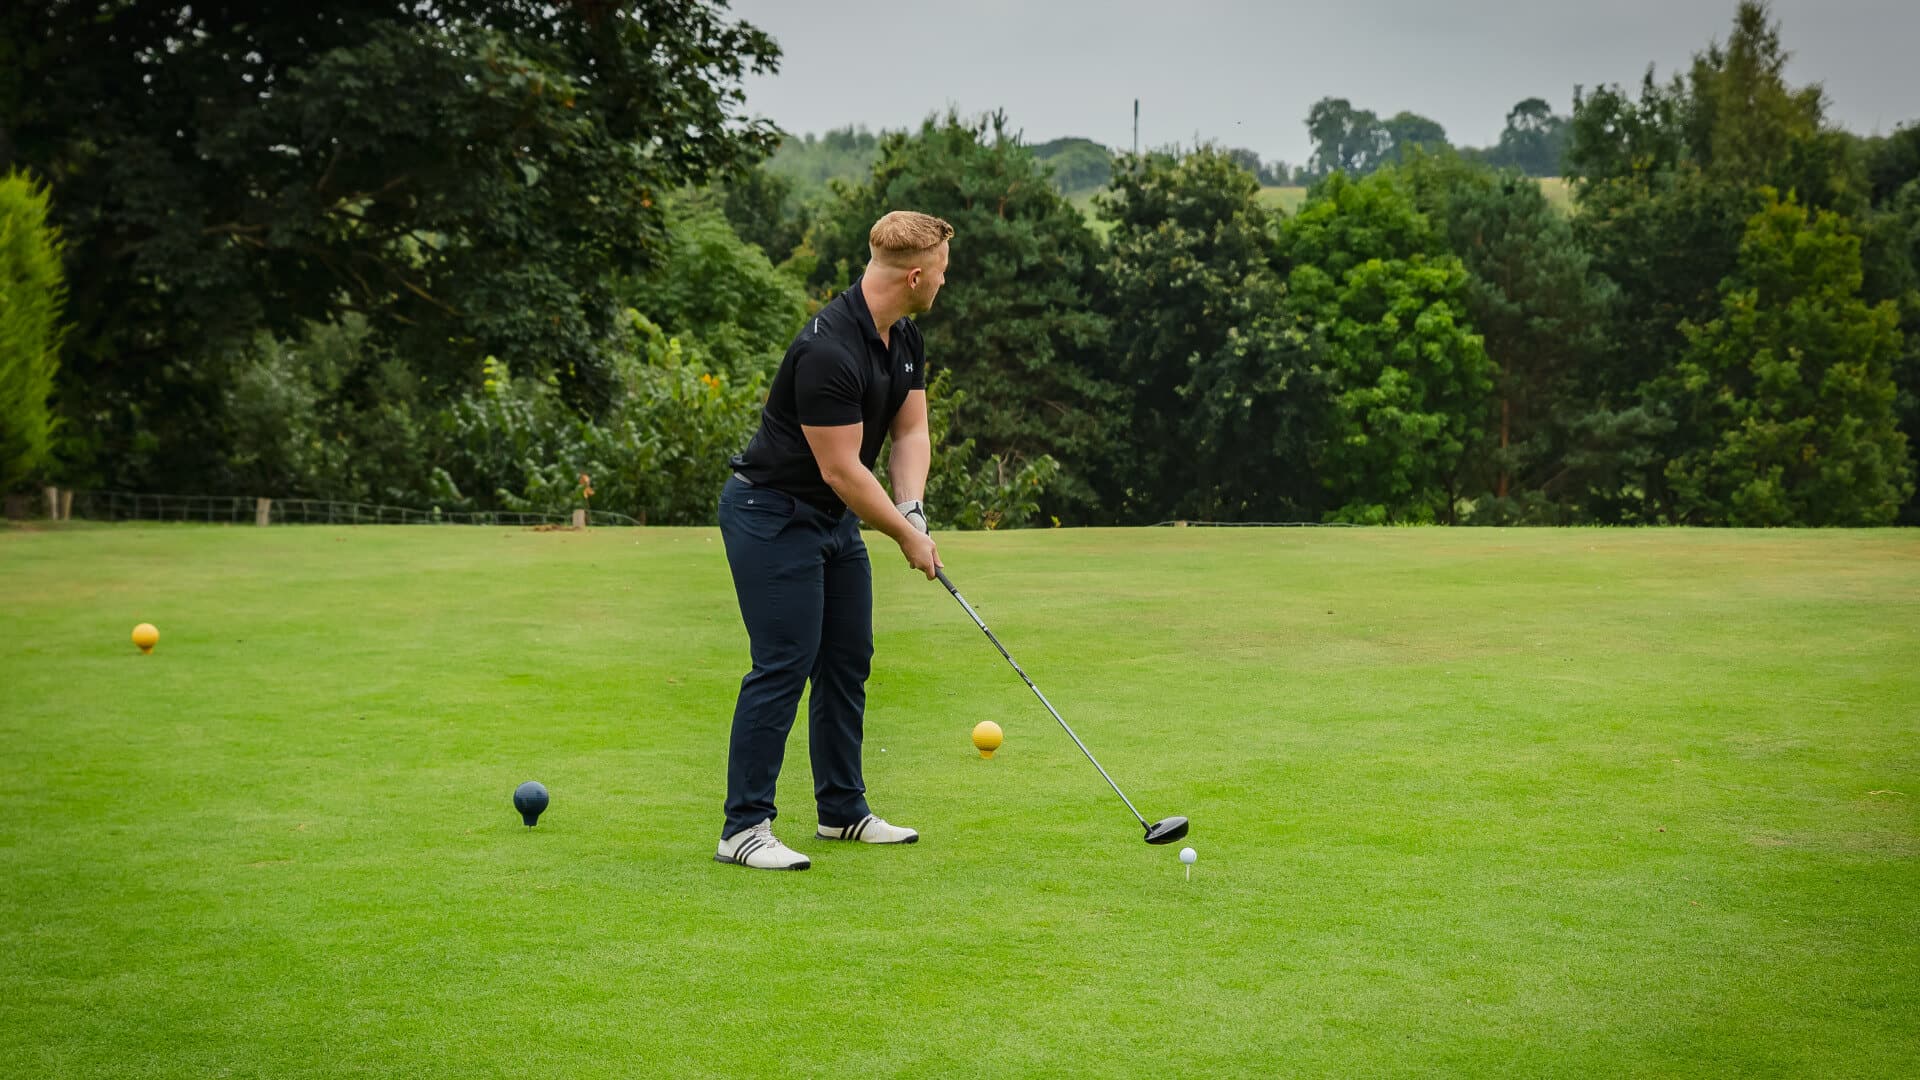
(941,574)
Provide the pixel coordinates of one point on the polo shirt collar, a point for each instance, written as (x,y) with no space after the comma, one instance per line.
(857,303)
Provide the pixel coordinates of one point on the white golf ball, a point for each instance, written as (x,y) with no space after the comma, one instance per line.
(1187,855)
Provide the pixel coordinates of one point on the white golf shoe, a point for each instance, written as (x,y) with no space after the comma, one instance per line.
(869,830)
(758,848)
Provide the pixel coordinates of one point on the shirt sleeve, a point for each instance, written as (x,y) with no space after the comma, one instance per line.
(827,390)
(918,351)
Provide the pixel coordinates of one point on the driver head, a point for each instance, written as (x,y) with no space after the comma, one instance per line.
(1166,830)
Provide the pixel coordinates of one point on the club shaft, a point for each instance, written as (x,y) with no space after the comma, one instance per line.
(982,624)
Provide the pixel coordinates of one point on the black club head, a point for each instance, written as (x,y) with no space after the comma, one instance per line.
(1166,830)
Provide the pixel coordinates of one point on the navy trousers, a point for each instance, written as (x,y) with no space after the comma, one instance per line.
(806,594)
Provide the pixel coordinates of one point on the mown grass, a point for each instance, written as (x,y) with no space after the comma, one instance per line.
(1467,802)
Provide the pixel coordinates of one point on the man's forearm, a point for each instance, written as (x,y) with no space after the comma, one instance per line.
(864,495)
(907,467)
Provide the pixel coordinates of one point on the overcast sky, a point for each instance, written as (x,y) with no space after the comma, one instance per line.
(1244,73)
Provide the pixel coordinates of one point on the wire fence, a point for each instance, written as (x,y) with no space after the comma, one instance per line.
(247,510)
(1258,524)
(254,510)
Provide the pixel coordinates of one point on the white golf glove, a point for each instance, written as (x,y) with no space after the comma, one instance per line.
(915,512)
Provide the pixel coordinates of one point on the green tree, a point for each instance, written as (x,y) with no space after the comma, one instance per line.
(32,294)
(1790,391)
(1410,380)
(1543,316)
(814,162)
(1345,139)
(1614,137)
(1665,187)
(1015,324)
(659,454)
(1079,165)
(1225,401)
(331,413)
(1734,118)
(1665,235)
(718,294)
(765,210)
(1892,162)
(328,414)
(1743,123)
(470,176)
(965,493)
(1410,133)
(1890,254)
(1533,141)
(1278,173)
(1245,158)
(1897,226)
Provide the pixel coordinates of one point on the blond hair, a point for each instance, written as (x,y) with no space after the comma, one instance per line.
(901,237)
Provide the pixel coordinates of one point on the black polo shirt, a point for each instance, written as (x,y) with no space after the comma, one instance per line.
(836,372)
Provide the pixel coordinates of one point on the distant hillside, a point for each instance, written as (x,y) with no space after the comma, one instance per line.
(1286,199)
(1081,167)
(1558,192)
(811,161)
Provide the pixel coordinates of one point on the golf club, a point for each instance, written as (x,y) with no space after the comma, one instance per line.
(1164,831)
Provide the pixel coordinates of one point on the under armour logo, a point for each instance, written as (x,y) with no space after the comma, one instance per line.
(909,367)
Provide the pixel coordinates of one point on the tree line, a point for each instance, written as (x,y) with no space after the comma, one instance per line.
(493,255)
(1345,139)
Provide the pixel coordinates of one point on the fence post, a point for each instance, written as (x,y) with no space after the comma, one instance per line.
(261,509)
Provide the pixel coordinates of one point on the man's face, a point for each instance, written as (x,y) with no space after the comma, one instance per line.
(924,281)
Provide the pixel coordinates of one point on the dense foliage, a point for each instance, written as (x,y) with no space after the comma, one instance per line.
(32,291)
(463,255)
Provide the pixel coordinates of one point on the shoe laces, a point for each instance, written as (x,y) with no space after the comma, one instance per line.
(765,829)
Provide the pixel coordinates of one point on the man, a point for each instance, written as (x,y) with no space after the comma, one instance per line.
(855,374)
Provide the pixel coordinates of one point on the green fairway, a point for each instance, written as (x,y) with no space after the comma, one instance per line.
(1558,192)
(1289,199)
(1467,802)
(1286,199)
